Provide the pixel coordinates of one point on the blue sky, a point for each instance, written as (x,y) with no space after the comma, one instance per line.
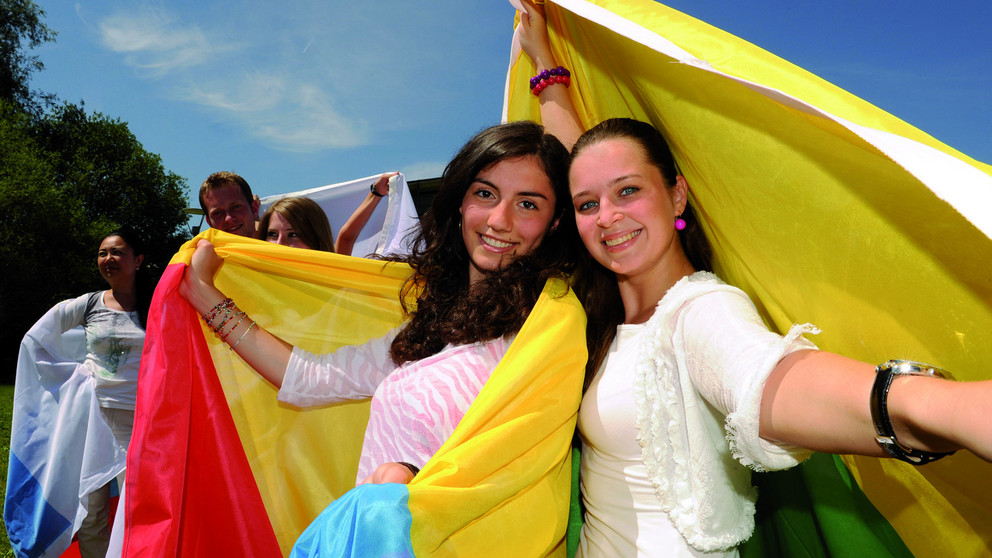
(303,93)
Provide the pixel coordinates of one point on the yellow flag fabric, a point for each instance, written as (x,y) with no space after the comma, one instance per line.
(499,486)
(301,459)
(822,207)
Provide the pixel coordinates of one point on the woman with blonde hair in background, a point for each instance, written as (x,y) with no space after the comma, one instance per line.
(300,222)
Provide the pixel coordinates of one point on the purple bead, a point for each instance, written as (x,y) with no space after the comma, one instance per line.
(680,224)
(545,75)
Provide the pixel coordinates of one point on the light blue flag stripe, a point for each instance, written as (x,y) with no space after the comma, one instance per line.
(371,520)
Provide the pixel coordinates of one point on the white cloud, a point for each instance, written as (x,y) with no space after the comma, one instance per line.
(308,122)
(245,93)
(301,77)
(152,40)
(255,85)
(289,116)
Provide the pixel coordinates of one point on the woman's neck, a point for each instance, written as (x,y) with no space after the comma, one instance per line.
(641,293)
(122,298)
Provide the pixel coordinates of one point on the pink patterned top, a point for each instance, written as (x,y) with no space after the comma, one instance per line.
(415,407)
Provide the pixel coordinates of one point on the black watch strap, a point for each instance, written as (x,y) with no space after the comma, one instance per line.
(880,412)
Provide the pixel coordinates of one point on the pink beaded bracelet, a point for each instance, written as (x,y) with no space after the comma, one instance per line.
(547,78)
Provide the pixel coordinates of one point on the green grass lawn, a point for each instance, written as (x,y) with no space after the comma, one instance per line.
(6,408)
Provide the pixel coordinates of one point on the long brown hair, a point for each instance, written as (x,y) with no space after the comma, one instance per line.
(448,311)
(307,219)
(597,286)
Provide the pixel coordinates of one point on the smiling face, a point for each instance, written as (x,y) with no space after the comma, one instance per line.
(117,262)
(625,212)
(280,231)
(229,211)
(505,213)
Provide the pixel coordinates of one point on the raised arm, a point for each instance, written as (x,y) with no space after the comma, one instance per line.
(558,114)
(264,352)
(348,234)
(820,401)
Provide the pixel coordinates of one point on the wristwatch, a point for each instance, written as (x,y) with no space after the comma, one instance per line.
(880,411)
(374,193)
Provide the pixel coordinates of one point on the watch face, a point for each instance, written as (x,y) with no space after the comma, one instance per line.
(914,368)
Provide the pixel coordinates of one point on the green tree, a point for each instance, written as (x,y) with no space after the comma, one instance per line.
(21,26)
(102,164)
(37,230)
(66,180)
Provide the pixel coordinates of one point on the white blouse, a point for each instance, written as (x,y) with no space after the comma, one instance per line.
(670,426)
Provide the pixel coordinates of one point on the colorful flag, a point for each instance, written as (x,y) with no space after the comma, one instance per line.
(61,448)
(218,467)
(823,208)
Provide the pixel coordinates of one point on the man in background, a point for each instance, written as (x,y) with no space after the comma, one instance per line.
(228,204)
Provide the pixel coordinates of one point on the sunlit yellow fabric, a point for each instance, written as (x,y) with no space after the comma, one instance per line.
(500,485)
(302,459)
(810,219)
(507,458)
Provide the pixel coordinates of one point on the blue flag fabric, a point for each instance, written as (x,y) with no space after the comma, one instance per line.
(61,449)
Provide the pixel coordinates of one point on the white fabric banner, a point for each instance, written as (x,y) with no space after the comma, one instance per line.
(386,232)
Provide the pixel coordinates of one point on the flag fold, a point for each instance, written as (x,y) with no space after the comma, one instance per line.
(822,207)
(61,448)
(218,465)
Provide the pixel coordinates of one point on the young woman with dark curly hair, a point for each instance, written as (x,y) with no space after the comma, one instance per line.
(499,227)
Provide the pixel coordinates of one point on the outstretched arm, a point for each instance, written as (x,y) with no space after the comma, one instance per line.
(348,234)
(264,352)
(820,401)
(558,114)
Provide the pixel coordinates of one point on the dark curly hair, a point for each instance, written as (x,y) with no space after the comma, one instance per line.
(447,310)
(596,285)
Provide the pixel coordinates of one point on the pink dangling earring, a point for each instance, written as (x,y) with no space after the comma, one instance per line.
(679,223)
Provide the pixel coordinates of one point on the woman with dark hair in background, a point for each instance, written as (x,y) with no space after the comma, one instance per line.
(114,321)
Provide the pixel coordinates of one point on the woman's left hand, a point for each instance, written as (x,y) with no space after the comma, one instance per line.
(390,472)
(197,285)
(205,263)
(382,183)
(534,36)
